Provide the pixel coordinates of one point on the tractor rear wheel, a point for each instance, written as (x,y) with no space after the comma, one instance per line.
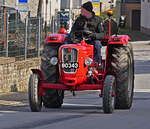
(109,94)
(122,62)
(53,98)
(35,101)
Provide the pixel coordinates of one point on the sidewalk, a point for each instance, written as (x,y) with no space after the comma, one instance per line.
(13,99)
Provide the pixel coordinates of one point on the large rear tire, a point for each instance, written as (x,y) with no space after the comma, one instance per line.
(122,62)
(53,98)
(35,101)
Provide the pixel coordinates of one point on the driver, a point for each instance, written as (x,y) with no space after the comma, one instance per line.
(90,22)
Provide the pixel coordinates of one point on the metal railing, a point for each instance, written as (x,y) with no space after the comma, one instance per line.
(20,34)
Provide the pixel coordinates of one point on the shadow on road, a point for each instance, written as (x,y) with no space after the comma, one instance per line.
(77,105)
(65,109)
(20,108)
(18,102)
(71,108)
(15,101)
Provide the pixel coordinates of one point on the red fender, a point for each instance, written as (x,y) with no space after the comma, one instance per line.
(39,72)
(119,39)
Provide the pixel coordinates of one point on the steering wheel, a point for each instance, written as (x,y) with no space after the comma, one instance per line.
(81,35)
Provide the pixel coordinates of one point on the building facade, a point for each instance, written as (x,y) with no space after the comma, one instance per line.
(145,16)
(105,4)
(49,9)
(15,4)
(132,10)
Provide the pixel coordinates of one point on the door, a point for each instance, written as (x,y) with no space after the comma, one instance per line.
(136,19)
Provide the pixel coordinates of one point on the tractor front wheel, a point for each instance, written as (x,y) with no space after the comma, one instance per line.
(109,94)
(35,101)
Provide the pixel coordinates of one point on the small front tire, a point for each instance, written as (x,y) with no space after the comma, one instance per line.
(35,101)
(109,94)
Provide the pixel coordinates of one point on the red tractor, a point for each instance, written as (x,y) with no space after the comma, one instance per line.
(71,67)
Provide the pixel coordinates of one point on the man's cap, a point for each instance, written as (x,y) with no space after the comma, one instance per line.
(88,6)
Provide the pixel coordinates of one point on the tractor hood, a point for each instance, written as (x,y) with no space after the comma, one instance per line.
(72,66)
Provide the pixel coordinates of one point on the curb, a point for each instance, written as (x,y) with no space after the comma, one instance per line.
(142,90)
(140,42)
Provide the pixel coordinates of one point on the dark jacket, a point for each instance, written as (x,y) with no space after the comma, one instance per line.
(93,24)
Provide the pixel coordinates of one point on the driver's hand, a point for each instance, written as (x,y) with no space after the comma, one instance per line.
(92,36)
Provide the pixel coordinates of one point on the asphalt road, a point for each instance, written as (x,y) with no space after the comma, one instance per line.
(142,65)
(84,111)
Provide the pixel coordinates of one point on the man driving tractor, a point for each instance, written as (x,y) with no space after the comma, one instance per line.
(68,65)
(90,22)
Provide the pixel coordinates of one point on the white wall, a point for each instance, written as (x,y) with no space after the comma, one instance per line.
(10,3)
(52,6)
(145,14)
(1,2)
(55,5)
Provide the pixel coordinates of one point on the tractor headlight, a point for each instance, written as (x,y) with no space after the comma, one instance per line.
(88,61)
(54,60)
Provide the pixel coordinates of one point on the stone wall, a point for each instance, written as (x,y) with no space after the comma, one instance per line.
(14,75)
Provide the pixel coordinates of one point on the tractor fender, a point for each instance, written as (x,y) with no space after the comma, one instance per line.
(118,39)
(56,39)
(39,72)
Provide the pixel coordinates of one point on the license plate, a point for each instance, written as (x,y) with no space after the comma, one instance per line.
(74,65)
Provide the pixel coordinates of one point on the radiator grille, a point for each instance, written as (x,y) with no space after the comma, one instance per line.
(69,60)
